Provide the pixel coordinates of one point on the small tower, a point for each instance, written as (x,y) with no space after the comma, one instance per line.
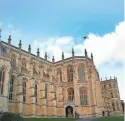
(45,55)
(92,56)
(86,55)
(62,55)
(38,53)
(29,49)
(105,78)
(53,60)
(9,40)
(73,52)
(20,45)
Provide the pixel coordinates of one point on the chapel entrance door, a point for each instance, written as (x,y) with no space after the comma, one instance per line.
(69,111)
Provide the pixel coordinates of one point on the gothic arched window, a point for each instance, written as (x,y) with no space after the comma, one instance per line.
(45,91)
(24,91)
(24,62)
(59,74)
(113,106)
(104,86)
(83,96)
(2,77)
(70,94)
(111,94)
(36,92)
(13,61)
(81,73)
(11,88)
(117,104)
(110,86)
(70,73)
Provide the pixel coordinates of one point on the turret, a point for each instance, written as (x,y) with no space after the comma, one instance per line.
(53,60)
(29,49)
(62,55)
(45,55)
(38,53)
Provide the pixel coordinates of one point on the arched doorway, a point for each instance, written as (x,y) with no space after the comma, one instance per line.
(69,111)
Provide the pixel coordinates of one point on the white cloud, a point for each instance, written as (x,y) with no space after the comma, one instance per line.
(64,40)
(108,47)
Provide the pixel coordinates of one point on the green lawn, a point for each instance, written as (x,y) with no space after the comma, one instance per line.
(112,118)
(49,119)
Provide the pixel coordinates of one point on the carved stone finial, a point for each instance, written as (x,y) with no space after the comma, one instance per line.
(9,40)
(38,52)
(73,52)
(20,44)
(29,49)
(86,55)
(45,55)
(62,55)
(91,56)
(53,60)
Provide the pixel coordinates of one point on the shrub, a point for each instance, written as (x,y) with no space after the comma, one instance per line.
(11,117)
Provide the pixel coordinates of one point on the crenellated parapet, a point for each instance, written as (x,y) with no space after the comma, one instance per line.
(109,78)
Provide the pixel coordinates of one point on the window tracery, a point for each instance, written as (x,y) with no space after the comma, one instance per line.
(36,92)
(13,60)
(70,73)
(70,94)
(113,106)
(2,77)
(11,88)
(81,73)
(83,96)
(24,91)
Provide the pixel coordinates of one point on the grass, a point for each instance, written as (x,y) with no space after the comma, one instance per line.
(49,119)
(112,118)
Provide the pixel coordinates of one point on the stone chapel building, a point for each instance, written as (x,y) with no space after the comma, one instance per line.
(33,86)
